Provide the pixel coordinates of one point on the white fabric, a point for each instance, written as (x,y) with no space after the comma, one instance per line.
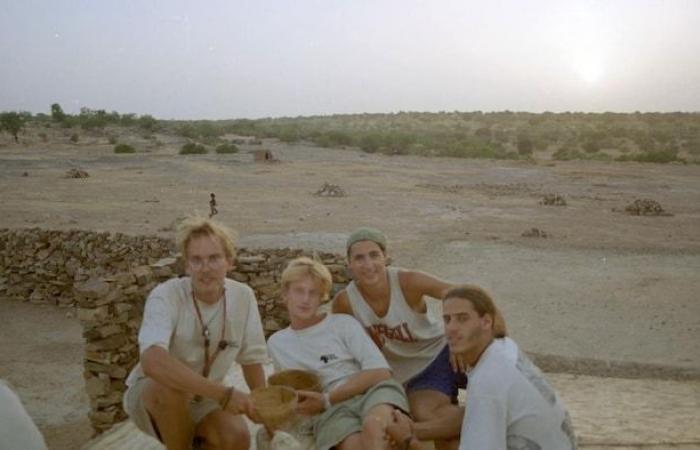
(411,340)
(335,348)
(170,321)
(17,430)
(511,406)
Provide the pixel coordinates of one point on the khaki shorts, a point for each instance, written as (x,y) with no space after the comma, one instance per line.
(341,420)
(136,409)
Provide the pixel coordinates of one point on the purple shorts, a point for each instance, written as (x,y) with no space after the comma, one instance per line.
(439,376)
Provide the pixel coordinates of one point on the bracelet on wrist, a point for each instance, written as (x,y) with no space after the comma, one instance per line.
(326,400)
(226,398)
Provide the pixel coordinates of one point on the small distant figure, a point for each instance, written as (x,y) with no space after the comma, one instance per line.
(212,206)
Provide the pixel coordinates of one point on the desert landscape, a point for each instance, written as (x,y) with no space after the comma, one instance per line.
(586,283)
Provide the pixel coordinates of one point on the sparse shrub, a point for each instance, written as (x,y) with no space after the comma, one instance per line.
(226,149)
(591,146)
(112,140)
(567,154)
(124,148)
(12,122)
(655,156)
(74,138)
(192,148)
(210,140)
(483,132)
(525,146)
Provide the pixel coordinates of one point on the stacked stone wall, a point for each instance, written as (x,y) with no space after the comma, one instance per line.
(42,266)
(108,277)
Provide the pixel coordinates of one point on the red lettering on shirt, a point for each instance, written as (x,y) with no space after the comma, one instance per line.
(380,332)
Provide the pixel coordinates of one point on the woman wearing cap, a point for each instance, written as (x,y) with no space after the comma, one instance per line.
(389,302)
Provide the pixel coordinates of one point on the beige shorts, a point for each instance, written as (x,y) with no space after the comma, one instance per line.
(136,409)
(340,421)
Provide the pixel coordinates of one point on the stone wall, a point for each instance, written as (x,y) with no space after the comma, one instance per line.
(108,277)
(42,266)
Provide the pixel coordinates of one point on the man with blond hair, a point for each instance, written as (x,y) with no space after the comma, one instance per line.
(359,394)
(194,328)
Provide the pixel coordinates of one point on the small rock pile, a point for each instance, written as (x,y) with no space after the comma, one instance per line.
(535,233)
(553,200)
(645,207)
(330,190)
(76,173)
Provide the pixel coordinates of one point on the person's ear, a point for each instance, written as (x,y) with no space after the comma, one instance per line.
(487,322)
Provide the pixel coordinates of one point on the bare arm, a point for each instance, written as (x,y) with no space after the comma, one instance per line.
(254,375)
(341,304)
(416,284)
(358,384)
(311,403)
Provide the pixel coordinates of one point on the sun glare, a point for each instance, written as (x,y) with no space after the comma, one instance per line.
(590,70)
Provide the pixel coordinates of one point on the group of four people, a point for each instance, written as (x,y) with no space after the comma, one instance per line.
(390,371)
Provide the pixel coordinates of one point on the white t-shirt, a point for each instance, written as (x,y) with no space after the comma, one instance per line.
(335,348)
(510,405)
(170,321)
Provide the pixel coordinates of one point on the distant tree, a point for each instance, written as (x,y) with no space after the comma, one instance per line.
(57,113)
(12,122)
(147,122)
(525,146)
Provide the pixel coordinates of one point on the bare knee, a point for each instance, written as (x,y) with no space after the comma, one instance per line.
(158,397)
(225,433)
(376,421)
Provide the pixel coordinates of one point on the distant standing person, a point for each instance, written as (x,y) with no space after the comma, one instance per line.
(194,328)
(212,206)
(389,302)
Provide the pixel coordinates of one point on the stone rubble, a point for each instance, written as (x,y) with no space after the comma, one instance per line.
(645,207)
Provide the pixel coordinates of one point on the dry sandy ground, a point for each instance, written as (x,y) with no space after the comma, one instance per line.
(604,285)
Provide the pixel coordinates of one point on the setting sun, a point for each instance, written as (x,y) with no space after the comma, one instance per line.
(589,69)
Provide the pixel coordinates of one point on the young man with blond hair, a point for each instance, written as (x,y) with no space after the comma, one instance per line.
(194,328)
(390,303)
(359,393)
(509,405)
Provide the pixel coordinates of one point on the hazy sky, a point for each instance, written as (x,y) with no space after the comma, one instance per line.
(230,59)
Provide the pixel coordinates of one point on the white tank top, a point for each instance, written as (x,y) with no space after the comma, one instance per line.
(410,340)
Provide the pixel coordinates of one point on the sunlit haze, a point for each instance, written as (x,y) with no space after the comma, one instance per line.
(233,59)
